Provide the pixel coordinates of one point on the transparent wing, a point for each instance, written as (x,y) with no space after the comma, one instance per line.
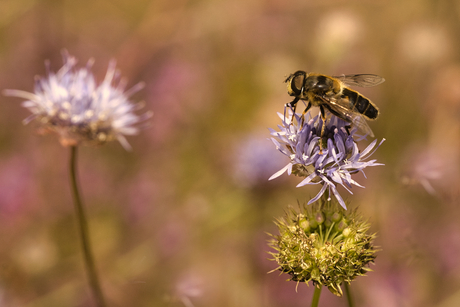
(360,122)
(344,109)
(363,80)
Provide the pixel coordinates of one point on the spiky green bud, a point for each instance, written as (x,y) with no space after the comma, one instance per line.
(323,243)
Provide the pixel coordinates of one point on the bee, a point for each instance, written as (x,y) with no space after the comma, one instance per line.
(334,95)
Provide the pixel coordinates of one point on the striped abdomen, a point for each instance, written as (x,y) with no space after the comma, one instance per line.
(361,103)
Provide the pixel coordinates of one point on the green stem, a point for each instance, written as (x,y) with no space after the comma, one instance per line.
(83,229)
(316,294)
(348,294)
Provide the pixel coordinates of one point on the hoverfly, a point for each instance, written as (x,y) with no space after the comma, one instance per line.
(332,94)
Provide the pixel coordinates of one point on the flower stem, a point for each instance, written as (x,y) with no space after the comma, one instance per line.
(316,294)
(83,229)
(348,294)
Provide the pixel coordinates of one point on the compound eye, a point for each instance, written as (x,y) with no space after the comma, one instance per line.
(297,83)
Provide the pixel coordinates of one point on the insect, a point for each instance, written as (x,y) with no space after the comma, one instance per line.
(334,95)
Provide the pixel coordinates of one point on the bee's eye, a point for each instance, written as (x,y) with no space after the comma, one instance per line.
(297,83)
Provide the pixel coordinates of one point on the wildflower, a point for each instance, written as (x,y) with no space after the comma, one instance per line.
(334,164)
(189,287)
(254,159)
(427,166)
(324,244)
(71,104)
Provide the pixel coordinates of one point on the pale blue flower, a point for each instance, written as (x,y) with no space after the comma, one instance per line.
(339,159)
(71,103)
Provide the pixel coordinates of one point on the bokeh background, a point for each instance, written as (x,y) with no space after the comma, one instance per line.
(182,220)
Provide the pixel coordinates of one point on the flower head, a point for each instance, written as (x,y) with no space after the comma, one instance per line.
(324,244)
(71,104)
(254,160)
(334,164)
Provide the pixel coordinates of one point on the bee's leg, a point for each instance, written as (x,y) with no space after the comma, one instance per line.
(348,128)
(292,104)
(303,114)
(323,129)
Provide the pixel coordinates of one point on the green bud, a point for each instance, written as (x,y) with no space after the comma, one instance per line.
(337,216)
(346,232)
(325,244)
(304,224)
(319,217)
(313,223)
(341,225)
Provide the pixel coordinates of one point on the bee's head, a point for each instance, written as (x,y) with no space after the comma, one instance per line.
(296,82)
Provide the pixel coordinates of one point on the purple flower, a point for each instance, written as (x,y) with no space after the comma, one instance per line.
(334,164)
(71,104)
(253,161)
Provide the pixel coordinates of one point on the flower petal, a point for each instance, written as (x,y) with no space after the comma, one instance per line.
(307,180)
(280,172)
(320,193)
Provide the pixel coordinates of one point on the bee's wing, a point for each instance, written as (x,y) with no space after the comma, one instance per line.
(360,122)
(363,80)
(342,108)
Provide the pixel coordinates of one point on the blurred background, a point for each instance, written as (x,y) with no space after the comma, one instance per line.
(182,220)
